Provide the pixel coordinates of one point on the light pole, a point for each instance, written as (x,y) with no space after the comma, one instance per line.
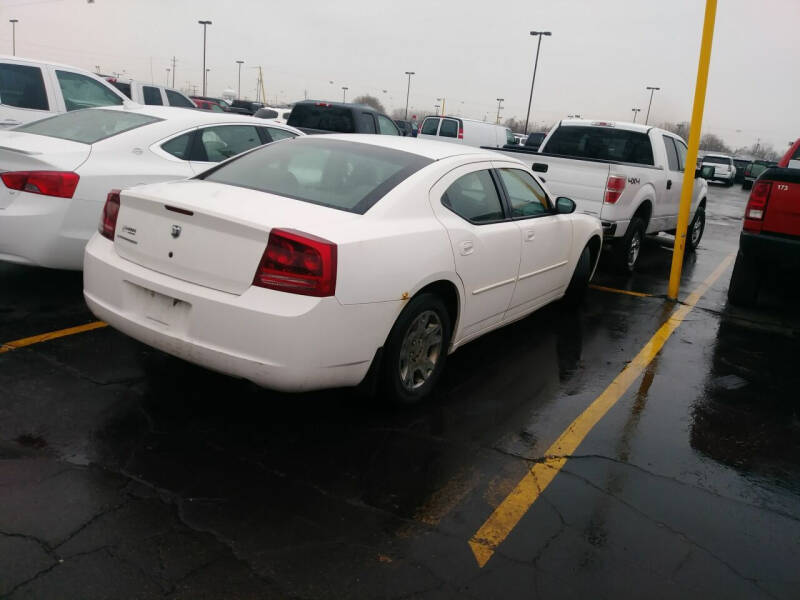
(239,92)
(408,90)
(344,93)
(538,34)
(442,105)
(636,112)
(205,25)
(167,76)
(13,36)
(499,102)
(652,89)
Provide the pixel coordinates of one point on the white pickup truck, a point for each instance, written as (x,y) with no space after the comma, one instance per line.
(628,175)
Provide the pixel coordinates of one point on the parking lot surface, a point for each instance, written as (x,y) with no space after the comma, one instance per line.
(127,473)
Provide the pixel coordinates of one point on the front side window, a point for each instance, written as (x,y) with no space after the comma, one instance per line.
(510,138)
(672,153)
(177,99)
(474,197)
(22,86)
(335,173)
(449,128)
(152,95)
(222,142)
(87,126)
(525,195)
(180,146)
(601,143)
(80,91)
(386,126)
(429,126)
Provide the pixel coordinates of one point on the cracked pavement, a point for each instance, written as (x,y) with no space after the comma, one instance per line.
(126,473)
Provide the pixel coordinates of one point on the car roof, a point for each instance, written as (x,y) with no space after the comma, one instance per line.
(192,117)
(339,104)
(8,57)
(432,149)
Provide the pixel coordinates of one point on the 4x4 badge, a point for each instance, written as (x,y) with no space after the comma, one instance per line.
(176,231)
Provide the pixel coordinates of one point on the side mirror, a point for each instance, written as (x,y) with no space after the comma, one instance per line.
(704,172)
(564,205)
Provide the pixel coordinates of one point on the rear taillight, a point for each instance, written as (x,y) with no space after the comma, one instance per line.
(757,206)
(108,219)
(461,133)
(60,184)
(615,185)
(298,263)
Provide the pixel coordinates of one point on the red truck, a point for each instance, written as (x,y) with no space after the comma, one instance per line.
(771,232)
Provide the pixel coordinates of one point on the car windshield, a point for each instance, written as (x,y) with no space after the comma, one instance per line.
(87,126)
(717,160)
(338,174)
(601,143)
(321,116)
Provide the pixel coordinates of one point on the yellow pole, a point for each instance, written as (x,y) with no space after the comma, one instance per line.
(694,144)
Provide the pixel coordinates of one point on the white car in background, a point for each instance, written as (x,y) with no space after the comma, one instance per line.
(32,89)
(281,115)
(466,131)
(55,173)
(150,94)
(724,169)
(312,262)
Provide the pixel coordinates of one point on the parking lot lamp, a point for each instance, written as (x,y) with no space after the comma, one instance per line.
(538,34)
(205,25)
(13,36)
(652,89)
(499,102)
(239,92)
(168,70)
(344,93)
(636,112)
(408,91)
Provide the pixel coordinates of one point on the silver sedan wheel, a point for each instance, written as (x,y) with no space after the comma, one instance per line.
(420,350)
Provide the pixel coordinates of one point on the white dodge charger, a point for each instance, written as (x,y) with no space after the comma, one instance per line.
(55,173)
(328,261)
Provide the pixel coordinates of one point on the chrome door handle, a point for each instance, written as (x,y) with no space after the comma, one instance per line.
(466,248)
(529,235)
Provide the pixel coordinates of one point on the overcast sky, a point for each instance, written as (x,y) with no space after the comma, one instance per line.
(597,63)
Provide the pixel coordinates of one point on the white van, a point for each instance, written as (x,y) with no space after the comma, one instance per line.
(466,131)
(32,89)
(150,93)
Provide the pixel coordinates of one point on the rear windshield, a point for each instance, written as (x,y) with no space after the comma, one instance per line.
(267,113)
(534,139)
(327,118)
(717,160)
(338,174)
(601,143)
(87,126)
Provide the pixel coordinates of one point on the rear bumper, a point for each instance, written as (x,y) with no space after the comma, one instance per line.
(277,340)
(778,250)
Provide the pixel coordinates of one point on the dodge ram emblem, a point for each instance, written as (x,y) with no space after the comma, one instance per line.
(176,231)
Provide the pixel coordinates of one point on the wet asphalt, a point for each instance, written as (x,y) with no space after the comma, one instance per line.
(126,473)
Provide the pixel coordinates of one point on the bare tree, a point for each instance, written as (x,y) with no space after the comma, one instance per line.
(370,101)
(681,129)
(714,143)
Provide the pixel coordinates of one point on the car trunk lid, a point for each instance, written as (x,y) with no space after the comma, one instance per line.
(207,233)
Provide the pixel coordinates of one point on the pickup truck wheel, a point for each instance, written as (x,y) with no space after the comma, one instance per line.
(745,281)
(416,350)
(696,229)
(628,248)
(580,279)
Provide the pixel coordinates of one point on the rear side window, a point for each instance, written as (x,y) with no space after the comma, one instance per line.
(87,126)
(672,153)
(152,95)
(601,143)
(125,88)
(525,195)
(367,122)
(223,142)
(449,128)
(22,86)
(334,173)
(327,118)
(177,99)
(474,197)
(429,126)
(81,91)
(510,139)
(179,146)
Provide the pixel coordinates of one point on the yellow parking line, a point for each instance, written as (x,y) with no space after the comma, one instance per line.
(603,288)
(506,516)
(8,346)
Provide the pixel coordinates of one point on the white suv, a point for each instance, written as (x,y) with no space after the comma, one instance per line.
(724,169)
(31,90)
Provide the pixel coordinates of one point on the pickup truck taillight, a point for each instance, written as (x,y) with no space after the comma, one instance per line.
(615,185)
(757,206)
(108,218)
(298,263)
(461,133)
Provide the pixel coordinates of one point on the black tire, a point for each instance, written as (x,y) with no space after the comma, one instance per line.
(576,290)
(745,281)
(747,184)
(625,256)
(729,183)
(392,381)
(692,241)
